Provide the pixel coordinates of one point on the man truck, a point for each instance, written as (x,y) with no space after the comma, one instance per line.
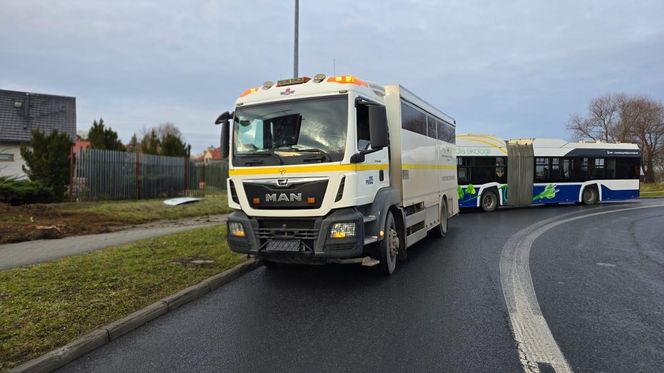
(337,170)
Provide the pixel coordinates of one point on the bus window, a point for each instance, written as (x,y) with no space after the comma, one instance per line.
(541,169)
(501,174)
(463,172)
(555,169)
(610,168)
(598,169)
(565,174)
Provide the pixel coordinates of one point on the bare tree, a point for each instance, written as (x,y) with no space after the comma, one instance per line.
(602,122)
(644,118)
(620,118)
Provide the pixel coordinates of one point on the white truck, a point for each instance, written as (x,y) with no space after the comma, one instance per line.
(337,169)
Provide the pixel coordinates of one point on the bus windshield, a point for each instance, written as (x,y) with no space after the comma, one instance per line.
(291,132)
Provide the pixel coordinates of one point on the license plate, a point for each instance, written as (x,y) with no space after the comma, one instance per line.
(283,245)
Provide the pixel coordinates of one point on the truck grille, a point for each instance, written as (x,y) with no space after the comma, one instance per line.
(287,230)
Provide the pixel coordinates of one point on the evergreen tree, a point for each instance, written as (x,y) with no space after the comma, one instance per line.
(102,137)
(47,160)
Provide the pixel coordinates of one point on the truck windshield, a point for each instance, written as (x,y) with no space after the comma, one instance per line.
(291,132)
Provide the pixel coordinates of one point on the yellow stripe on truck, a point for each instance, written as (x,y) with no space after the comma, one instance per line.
(287,170)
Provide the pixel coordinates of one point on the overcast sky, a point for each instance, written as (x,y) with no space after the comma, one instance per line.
(511,68)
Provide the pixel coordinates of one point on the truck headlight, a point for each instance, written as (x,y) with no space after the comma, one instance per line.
(342,230)
(236,229)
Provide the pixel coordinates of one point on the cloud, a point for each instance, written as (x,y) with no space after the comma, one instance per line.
(514,68)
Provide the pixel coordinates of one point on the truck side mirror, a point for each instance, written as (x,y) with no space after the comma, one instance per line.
(225,132)
(223,118)
(378,127)
(225,140)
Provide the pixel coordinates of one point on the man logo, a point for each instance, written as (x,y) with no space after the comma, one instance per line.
(283,197)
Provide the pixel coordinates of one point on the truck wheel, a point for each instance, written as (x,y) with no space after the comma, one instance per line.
(389,247)
(440,230)
(589,195)
(489,201)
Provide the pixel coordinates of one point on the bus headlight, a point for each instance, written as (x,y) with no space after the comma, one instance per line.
(342,230)
(236,229)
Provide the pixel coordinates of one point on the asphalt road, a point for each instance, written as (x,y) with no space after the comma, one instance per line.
(599,282)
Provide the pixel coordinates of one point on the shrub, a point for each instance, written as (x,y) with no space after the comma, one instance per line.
(18,192)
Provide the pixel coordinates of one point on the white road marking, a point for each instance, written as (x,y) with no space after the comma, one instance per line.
(605,264)
(532,335)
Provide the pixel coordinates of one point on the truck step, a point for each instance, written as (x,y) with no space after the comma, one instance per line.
(369,218)
(369,240)
(368,261)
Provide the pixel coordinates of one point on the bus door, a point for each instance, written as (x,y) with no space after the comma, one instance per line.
(520,172)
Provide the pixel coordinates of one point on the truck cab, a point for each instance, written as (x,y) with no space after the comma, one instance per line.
(310,174)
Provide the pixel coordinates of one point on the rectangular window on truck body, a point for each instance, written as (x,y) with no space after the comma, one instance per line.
(6,157)
(431,127)
(413,119)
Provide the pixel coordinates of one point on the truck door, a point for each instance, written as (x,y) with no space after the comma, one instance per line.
(520,172)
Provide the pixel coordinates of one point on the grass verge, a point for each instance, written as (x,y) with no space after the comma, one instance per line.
(652,190)
(47,305)
(22,223)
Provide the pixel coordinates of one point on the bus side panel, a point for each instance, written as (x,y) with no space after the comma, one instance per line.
(618,190)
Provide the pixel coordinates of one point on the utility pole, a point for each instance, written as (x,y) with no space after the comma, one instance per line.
(295,46)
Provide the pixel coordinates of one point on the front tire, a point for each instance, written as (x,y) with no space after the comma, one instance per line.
(489,201)
(589,196)
(389,247)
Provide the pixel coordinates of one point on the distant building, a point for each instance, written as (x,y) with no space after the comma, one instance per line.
(79,144)
(211,154)
(20,113)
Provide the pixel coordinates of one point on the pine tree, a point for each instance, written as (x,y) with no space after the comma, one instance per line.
(47,160)
(102,137)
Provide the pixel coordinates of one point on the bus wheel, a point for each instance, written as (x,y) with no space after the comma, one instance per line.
(489,201)
(589,196)
(440,231)
(389,247)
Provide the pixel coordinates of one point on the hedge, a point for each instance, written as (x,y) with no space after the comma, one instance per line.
(19,192)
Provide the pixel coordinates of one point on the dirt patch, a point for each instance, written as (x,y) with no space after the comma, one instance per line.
(39,221)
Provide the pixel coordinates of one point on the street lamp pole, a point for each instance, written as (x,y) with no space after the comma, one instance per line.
(295,46)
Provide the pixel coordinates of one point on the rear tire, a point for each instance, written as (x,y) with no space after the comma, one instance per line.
(489,201)
(389,247)
(440,230)
(589,195)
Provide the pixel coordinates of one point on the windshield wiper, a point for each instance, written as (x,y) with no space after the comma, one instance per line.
(269,151)
(324,155)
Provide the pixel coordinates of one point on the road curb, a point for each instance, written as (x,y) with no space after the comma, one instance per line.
(59,357)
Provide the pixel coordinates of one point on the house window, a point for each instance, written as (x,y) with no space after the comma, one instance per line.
(6,157)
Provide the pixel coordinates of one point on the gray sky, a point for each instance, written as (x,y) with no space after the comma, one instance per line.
(511,68)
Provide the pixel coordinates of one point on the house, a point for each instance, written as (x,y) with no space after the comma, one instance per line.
(211,154)
(79,144)
(20,113)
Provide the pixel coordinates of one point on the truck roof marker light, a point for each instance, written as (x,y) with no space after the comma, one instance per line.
(249,91)
(268,84)
(347,79)
(311,200)
(319,78)
(294,81)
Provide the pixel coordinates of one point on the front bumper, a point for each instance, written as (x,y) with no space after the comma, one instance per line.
(264,236)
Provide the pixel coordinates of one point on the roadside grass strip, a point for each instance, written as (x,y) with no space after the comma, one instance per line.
(652,190)
(27,222)
(47,305)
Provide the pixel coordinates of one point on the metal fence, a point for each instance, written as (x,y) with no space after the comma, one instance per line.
(105,175)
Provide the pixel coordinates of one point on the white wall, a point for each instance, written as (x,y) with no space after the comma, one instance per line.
(14,168)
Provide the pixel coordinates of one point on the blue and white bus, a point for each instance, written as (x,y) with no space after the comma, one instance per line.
(493,172)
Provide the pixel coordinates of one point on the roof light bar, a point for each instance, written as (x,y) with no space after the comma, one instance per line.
(249,91)
(347,79)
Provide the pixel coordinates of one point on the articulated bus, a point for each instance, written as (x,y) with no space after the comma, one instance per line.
(493,172)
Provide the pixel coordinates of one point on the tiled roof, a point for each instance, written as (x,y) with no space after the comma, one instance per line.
(21,112)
